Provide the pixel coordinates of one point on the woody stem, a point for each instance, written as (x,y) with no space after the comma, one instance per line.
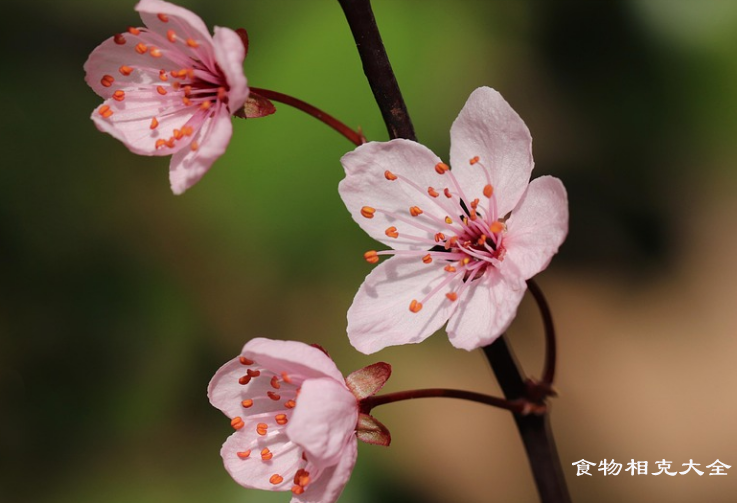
(369,403)
(534,430)
(354,137)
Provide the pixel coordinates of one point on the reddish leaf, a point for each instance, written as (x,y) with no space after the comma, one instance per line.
(370,430)
(367,381)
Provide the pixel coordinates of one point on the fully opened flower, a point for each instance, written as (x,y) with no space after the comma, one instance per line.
(464,240)
(297,420)
(170,88)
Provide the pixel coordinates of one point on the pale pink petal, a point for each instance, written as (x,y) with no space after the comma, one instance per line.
(190,164)
(229,54)
(255,472)
(380,314)
(324,419)
(365,184)
(537,227)
(184,22)
(489,129)
(297,359)
(328,487)
(485,310)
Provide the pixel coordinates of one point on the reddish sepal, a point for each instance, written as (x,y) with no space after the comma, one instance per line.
(370,430)
(369,380)
(256,106)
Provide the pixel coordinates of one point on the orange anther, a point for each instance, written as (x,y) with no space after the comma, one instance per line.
(237,423)
(465,220)
(448,220)
(281,419)
(449,268)
(262,428)
(392,232)
(244,454)
(244,380)
(125,70)
(432,192)
(162,143)
(222,93)
(134,31)
(452,241)
(171,35)
(242,359)
(187,90)
(178,134)
(156,52)
(297,490)
(290,404)
(119,39)
(368,212)
(285,377)
(192,43)
(427,258)
(496,227)
(465,261)
(187,102)
(474,216)
(161,90)
(163,77)
(475,203)
(187,130)
(415,306)
(273,395)
(481,240)
(266,454)
(163,17)
(107,80)
(276,479)
(439,237)
(371,256)
(389,175)
(205,105)
(247,403)
(447,193)
(488,190)
(275,382)
(473,160)
(415,211)
(141,48)
(302,477)
(119,95)
(253,373)
(441,168)
(154,123)
(452,296)
(105,111)
(194,146)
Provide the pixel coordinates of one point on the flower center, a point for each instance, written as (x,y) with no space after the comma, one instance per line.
(268,400)
(467,242)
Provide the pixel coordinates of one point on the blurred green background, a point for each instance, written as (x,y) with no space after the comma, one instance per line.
(118,300)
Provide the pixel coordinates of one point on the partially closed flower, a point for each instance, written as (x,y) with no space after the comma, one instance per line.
(464,240)
(295,418)
(170,88)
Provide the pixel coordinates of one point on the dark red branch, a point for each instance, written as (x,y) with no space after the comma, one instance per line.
(518,406)
(353,136)
(550,346)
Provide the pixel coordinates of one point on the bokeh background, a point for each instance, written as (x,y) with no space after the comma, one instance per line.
(118,300)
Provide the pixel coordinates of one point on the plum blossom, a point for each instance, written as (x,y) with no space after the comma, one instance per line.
(297,420)
(464,240)
(170,88)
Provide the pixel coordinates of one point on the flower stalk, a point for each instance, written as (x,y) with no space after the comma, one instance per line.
(355,137)
(517,406)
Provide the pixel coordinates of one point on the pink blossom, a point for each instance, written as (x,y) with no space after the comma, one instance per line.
(170,89)
(295,418)
(464,240)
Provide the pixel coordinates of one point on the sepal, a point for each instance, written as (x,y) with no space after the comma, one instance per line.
(370,430)
(369,380)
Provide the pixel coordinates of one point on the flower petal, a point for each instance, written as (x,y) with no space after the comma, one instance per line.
(253,471)
(324,418)
(485,311)
(188,165)
(229,54)
(365,184)
(296,359)
(537,226)
(380,314)
(331,482)
(488,128)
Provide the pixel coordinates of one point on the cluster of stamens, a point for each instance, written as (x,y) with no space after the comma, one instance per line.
(188,83)
(274,407)
(469,240)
